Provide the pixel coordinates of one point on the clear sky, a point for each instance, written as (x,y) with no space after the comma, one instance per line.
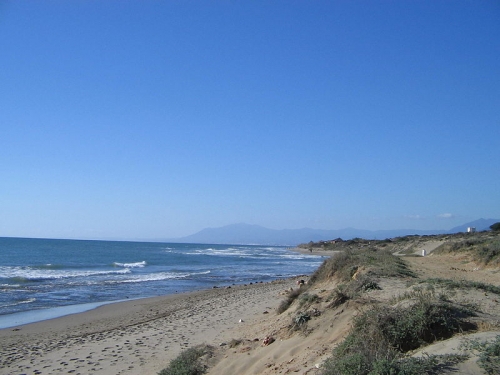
(155,119)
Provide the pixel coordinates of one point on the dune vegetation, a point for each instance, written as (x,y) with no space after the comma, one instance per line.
(383,305)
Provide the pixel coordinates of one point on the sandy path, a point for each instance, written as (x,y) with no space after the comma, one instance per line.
(134,337)
(461,267)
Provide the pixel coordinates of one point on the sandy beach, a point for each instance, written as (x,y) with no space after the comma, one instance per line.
(134,337)
(142,336)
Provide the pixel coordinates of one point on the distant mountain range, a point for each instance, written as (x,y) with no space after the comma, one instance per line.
(255,234)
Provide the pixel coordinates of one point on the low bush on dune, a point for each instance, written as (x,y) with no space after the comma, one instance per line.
(351,290)
(463,284)
(484,249)
(488,352)
(307,299)
(188,362)
(489,253)
(344,265)
(290,298)
(381,336)
(394,365)
(341,265)
(299,322)
(337,297)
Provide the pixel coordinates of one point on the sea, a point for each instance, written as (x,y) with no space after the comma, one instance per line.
(46,278)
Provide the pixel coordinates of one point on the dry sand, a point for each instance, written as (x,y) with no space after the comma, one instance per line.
(133,337)
(302,352)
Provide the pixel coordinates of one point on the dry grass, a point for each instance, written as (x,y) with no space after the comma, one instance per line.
(379,263)
(290,298)
(484,247)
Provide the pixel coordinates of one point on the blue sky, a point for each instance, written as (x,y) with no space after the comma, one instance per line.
(155,119)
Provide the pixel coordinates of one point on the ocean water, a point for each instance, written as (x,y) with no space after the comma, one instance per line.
(44,278)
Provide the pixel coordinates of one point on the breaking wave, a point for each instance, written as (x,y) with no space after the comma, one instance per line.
(156,277)
(21,274)
(131,265)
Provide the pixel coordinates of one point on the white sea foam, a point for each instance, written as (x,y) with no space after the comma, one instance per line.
(131,265)
(29,274)
(294,256)
(30,300)
(221,252)
(9,286)
(156,277)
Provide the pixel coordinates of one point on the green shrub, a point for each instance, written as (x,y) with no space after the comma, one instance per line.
(379,338)
(337,298)
(415,293)
(408,329)
(460,245)
(484,249)
(307,299)
(489,253)
(464,284)
(187,363)
(351,290)
(415,366)
(378,262)
(364,283)
(489,354)
(489,358)
(300,321)
(290,298)
(395,364)
(336,265)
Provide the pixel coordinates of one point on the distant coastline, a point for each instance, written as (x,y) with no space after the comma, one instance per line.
(255,234)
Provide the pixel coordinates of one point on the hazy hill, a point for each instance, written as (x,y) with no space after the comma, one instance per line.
(480,224)
(255,234)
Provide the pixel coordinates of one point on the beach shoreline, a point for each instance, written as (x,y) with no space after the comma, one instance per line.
(134,337)
(34,316)
(243,325)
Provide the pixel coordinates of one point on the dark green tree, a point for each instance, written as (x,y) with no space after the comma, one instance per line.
(495,227)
